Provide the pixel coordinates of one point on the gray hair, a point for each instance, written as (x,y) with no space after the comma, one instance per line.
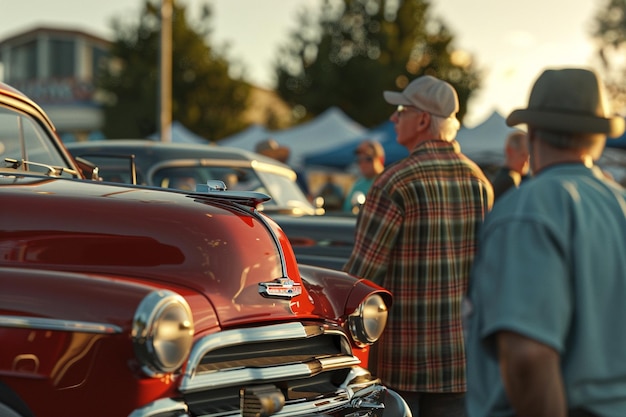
(443,127)
(563,140)
(517,140)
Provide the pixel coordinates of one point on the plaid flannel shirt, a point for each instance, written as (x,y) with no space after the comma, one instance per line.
(416,236)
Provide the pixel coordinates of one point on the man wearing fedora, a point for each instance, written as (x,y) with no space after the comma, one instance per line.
(547,290)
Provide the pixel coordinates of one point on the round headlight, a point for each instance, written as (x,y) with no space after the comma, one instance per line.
(368,320)
(162,332)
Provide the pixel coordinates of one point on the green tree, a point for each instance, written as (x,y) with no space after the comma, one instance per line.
(358,48)
(205,99)
(609,32)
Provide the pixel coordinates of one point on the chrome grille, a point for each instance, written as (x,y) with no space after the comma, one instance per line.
(308,363)
(271,353)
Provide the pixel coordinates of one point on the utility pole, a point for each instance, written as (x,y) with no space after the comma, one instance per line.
(165,113)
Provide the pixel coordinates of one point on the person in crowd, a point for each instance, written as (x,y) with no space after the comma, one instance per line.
(546,295)
(370,157)
(181,181)
(516,166)
(271,148)
(415,236)
(332,194)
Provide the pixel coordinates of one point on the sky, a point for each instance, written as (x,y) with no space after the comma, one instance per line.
(512,42)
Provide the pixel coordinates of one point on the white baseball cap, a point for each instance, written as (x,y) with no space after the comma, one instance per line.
(429,94)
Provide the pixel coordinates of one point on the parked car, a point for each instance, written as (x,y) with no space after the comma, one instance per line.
(25,142)
(325,241)
(182,166)
(122,300)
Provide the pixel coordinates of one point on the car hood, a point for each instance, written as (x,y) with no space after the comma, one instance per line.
(170,239)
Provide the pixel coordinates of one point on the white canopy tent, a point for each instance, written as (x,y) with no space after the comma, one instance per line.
(484,143)
(248,138)
(329,129)
(180,134)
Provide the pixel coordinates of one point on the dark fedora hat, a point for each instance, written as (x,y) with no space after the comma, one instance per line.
(568,100)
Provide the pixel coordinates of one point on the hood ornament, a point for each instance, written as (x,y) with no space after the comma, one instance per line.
(281,288)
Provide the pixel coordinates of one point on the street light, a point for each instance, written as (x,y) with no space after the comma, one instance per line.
(165,108)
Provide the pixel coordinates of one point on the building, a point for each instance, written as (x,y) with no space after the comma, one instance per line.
(56,68)
(266,108)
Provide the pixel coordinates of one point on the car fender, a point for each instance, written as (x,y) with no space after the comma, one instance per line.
(339,293)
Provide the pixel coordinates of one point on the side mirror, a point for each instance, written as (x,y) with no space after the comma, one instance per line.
(88,168)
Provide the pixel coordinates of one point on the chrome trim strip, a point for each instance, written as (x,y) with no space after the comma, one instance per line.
(192,381)
(242,376)
(257,215)
(281,253)
(238,336)
(40,323)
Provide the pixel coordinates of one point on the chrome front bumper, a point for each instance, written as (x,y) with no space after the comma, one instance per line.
(377,401)
(282,370)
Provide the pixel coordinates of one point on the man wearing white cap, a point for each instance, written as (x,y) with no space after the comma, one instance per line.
(547,291)
(416,236)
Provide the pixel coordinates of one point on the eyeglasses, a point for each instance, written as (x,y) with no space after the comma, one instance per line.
(401,109)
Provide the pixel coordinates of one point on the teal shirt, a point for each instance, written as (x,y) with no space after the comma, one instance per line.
(363,185)
(551,265)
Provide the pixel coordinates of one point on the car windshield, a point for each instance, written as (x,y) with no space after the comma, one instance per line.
(25,146)
(284,191)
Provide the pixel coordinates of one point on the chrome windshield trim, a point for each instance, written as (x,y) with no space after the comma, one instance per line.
(40,323)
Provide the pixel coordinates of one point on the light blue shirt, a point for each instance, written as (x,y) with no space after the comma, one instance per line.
(551,266)
(363,185)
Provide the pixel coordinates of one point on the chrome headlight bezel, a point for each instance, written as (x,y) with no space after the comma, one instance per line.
(162,332)
(368,321)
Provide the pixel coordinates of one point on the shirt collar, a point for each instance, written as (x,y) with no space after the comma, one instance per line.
(572,168)
(437,145)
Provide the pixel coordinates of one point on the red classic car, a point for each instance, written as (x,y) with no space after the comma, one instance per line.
(317,240)
(120,300)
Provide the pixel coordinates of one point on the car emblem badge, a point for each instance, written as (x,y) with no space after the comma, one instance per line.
(283,288)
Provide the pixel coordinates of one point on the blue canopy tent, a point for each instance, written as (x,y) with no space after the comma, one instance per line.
(247,138)
(387,136)
(619,142)
(338,157)
(343,155)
